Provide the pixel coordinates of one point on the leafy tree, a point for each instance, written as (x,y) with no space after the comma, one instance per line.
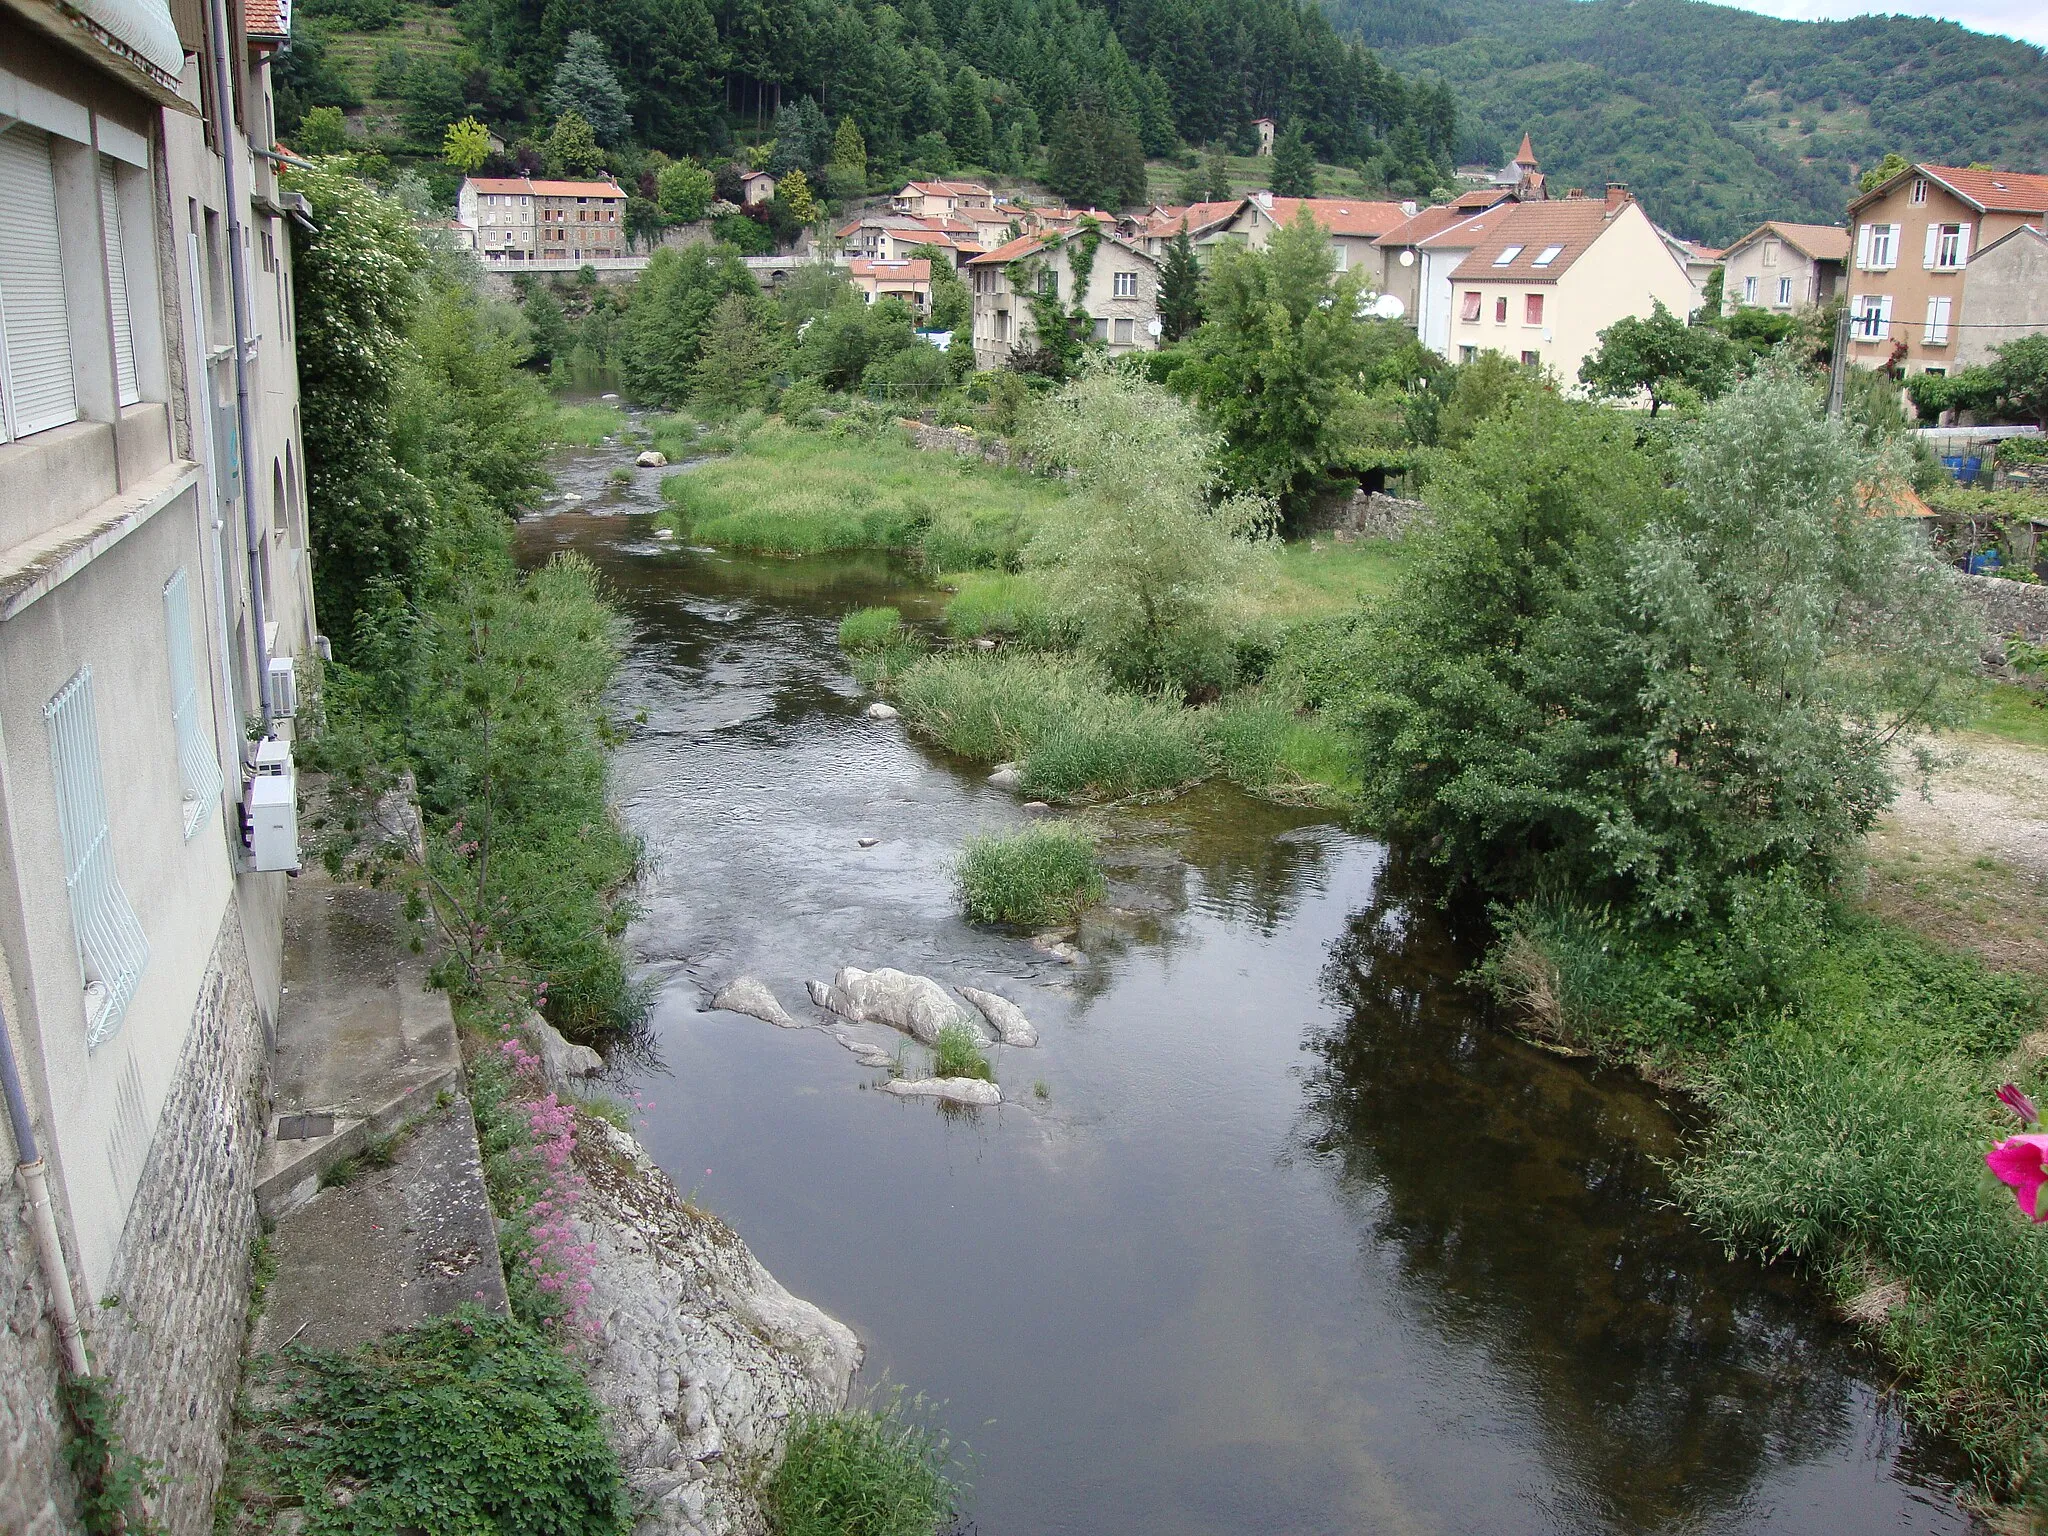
(2021,368)
(918,371)
(466,145)
(1659,355)
(840,345)
(572,149)
(741,350)
(324,131)
(1294,164)
(1485,389)
(662,335)
(952,305)
(586,85)
(547,328)
(747,235)
(303,78)
(1180,288)
(1146,561)
(682,190)
(1883,171)
(1094,160)
(434,98)
(644,221)
(794,193)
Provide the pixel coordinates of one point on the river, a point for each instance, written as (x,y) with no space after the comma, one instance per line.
(1296,1239)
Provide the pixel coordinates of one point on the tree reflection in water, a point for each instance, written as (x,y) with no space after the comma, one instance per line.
(1523,1200)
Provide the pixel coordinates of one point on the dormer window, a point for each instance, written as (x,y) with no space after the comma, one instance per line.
(1548,254)
(1507,257)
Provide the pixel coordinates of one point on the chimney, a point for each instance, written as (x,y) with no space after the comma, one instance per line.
(1408,206)
(1617,194)
(1264,200)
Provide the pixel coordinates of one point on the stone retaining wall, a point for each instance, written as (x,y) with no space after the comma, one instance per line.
(170,1336)
(1366,515)
(2010,607)
(964,441)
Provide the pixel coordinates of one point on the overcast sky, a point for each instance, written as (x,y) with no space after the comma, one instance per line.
(2026,19)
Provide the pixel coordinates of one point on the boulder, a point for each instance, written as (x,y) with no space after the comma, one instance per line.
(1009,778)
(1005,1016)
(866,1052)
(560,1059)
(917,1005)
(745,995)
(880,711)
(652,459)
(1056,945)
(867,842)
(1036,808)
(954,1090)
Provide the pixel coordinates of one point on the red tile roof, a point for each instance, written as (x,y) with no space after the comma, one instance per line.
(946,189)
(919,271)
(1464,233)
(1166,220)
(1429,221)
(1572,223)
(267,18)
(527,185)
(1819,242)
(1994,191)
(1336,215)
(1023,245)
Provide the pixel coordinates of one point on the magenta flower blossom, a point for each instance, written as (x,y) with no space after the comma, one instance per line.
(2022,1162)
(2011,1097)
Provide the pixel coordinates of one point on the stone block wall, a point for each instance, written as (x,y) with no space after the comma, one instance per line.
(1366,515)
(169,1332)
(2010,607)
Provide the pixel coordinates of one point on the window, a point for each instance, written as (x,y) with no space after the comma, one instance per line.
(1125,285)
(1784,291)
(1531,359)
(1467,354)
(1102,330)
(126,390)
(1548,254)
(111,949)
(1770,253)
(1948,245)
(1049,282)
(1532,309)
(1507,257)
(37,392)
(197,764)
(1470,309)
(1871,317)
(1920,190)
(1936,333)
(1877,247)
(1749,290)
(1500,310)
(1126,332)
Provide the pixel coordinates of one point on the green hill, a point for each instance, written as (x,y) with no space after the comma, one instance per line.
(1716,117)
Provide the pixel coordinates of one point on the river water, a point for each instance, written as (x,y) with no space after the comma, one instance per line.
(1295,1241)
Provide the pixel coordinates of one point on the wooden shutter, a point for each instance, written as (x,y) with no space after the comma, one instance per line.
(38,385)
(126,389)
(1962,245)
(1933,245)
(1863,245)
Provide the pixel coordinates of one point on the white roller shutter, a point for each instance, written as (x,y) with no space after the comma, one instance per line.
(39,393)
(117,285)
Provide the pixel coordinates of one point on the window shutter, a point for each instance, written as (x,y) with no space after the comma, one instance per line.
(1962,244)
(1933,242)
(198,765)
(38,336)
(1863,245)
(126,389)
(1884,313)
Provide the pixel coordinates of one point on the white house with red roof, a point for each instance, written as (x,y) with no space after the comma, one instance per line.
(910,281)
(940,199)
(1121,296)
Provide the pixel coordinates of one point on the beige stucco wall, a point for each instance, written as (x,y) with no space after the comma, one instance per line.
(2006,294)
(1909,282)
(996,297)
(1622,273)
(1751,261)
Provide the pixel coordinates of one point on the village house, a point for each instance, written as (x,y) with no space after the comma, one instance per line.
(1121,298)
(1403,261)
(1701,262)
(1438,256)
(756,187)
(1782,267)
(520,219)
(910,281)
(1544,279)
(941,199)
(894,236)
(1207,224)
(1912,244)
(156,621)
(2005,291)
(1352,224)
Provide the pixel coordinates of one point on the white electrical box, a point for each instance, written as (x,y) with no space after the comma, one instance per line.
(284,687)
(270,807)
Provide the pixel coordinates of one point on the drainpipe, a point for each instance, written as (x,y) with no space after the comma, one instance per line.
(238,286)
(42,1219)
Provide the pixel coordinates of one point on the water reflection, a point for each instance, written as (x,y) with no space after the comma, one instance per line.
(1524,1200)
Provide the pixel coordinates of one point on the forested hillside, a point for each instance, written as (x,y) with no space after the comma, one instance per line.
(933,85)
(1717,117)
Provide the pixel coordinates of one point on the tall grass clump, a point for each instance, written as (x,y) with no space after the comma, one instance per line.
(1271,749)
(1041,874)
(862,1472)
(959,1054)
(878,647)
(1004,605)
(868,629)
(586,425)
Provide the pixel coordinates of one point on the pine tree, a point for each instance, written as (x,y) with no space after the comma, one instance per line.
(803,139)
(572,149)
(1294,165)
(794,193)
(971,132)
(1180,287)
(586,85)
(1094,160)
(739,354)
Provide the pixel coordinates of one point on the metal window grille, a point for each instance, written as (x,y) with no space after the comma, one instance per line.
(197,764)
(111,948)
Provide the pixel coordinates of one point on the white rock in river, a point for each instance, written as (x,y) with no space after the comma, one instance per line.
(917,1005)
(866,1052)
(1055,944)
(560,1059)
(1007,777)
(652,459)
(880,711)
(699,1357)
(1006,1016)
(745,995)
(954,1090)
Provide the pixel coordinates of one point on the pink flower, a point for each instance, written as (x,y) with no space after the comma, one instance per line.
(2011,1097)
(2022,1162)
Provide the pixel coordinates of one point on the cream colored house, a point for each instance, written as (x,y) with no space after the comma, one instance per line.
(1544,279)
(1781,267)
(1121,301)
(941,199)
(910,281)
(2005,290)
(1353,225)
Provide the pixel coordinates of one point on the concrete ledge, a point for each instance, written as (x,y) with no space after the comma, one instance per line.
(47,561)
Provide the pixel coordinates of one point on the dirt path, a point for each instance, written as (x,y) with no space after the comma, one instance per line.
(1967,862)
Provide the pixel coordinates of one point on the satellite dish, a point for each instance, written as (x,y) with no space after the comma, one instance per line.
(1154,329)
(1388,307)
(1407,258)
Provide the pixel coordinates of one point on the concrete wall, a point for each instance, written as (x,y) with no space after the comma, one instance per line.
(1753,261)
(2005,291)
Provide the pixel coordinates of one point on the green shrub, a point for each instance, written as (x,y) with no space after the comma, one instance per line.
(875,1472)
(868,629)
(958,1054)
(1042,874)
(586,425)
